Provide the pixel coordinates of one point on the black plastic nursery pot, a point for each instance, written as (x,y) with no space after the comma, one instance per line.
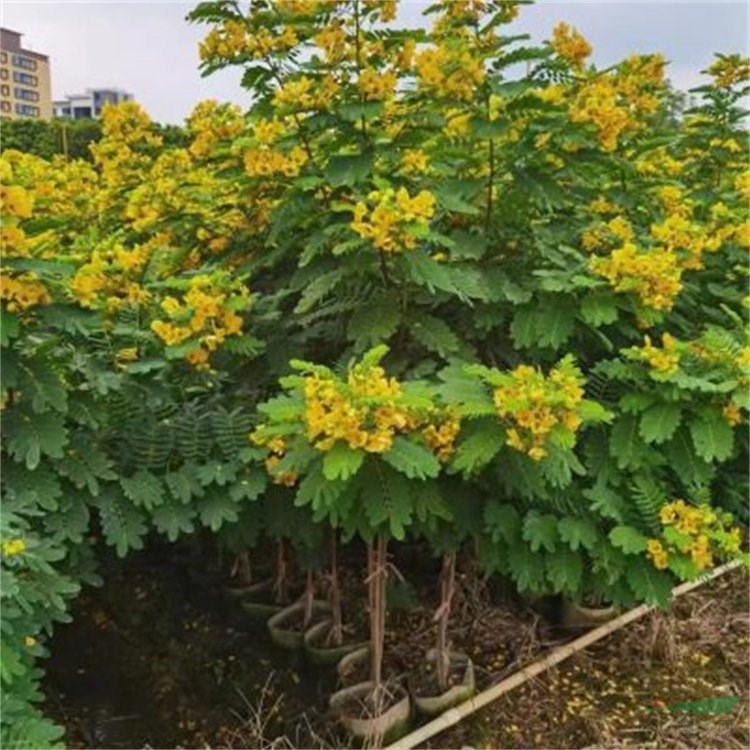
(281,625)
(317,652)
(349,706)
(465,687)
(576,615)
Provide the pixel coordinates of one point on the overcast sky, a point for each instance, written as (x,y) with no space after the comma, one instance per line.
(148,49)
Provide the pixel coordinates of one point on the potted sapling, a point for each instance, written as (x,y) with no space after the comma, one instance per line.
(447,677)
(371,454)
(288,626)
(324,641)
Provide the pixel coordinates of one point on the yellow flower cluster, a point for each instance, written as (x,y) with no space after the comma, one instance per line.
(732,414)
(392,219)
(702,533)
(211,123)
(457,123)
(265,162)
(597,103)
(304,93)
(276,451)
(206,313)
(678,235)
(13,547)
(16,201)
(123,152)
(449,71)
(615,103)
(656,552)
(440,435)
(108,279)
(377,85)
(304,7)
(570,44)
(267,132)
(414,161)
(664,361)
(655,276)
(385,10)
(233,38)
(23,291)
(657,163)
(364,413)
(730,70)
(333,41)
(534,405)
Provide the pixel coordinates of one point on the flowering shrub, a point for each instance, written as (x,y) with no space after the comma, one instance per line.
(551,268)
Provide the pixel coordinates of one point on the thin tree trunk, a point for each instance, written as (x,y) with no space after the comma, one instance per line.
(242,569)
(377,578)
(336,636)
(280,584)
(309,595)
(447,589)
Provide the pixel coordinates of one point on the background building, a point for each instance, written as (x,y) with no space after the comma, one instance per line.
(80,106)
(24,79)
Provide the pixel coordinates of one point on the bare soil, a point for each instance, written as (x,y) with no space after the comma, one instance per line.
(185,668)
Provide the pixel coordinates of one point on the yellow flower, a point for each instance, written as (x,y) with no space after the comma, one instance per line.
(657,553)
(388,218)
(128,354)
(414,160)
(732,414)
(533,405)
(377,84)
(451,72)
(655,277)
(29,641)
(570,44)
(13,547)
(23,291)
(198,359)
(665,361)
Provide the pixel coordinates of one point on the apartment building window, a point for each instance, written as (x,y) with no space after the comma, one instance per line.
(26,110)
(3,57)
(5,90)
(24,62)
(4,74)
(26,94)
(26,78)
(5,106)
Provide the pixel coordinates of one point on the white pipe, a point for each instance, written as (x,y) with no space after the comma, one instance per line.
(456,714)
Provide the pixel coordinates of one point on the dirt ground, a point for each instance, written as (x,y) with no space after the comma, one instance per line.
(605,696)
(159,658)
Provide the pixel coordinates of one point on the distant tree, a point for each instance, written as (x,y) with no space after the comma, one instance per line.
(173,135)
(72,138)
(46,138)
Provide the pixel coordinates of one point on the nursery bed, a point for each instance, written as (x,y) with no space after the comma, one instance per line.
(155,658)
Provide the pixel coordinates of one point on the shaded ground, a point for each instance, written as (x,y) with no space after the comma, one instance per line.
(604,697)
(159,658)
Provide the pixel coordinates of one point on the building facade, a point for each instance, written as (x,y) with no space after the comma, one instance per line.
(81,106)
(25,89)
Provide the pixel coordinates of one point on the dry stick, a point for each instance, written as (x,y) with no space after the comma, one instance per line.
(372,604)
(337,636)
(309,595)
(447,588)
(279,585)
(454,715)
(377,614)
(242,569)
